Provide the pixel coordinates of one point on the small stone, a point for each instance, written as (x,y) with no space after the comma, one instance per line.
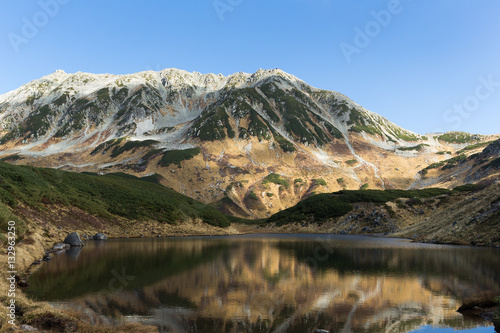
(28,328)
(61,246)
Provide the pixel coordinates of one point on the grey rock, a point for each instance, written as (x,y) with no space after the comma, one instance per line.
(28,328)
(100,236)
(73,239)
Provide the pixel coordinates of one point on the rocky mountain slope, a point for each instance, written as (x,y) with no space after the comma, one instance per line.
(254,144)
(472,164)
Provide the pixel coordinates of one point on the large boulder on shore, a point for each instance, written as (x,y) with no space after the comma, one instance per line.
(73,239)
(100,236)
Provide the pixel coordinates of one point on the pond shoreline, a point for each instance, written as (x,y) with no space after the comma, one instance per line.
(42,315)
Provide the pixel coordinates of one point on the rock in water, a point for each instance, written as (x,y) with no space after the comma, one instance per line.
(73,239)
(100,236)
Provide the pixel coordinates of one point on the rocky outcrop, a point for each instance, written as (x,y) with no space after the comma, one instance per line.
(492,149)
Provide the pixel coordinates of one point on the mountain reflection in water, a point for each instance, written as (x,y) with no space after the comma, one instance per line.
(270,283)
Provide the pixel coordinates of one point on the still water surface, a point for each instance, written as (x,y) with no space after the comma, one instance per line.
(271,283)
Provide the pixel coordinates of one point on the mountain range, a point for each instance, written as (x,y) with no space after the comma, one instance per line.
(250,144)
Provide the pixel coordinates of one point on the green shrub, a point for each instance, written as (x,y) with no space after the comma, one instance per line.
(475,146)
(334,131)
(452,162)
(319,182)
(105,146)
(276,179)
(235,184)
(447,164)
(207,128)
(435,165)
(284,144)
(351,162)
(469,188)
(417,147)
(131,145)
(360,123)
(457,137)
(177,156)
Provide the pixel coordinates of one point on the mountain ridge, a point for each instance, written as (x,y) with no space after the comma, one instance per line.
(52,92)
(203,133)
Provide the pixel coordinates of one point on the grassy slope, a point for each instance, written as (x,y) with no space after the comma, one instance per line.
(331,205)
(107,197)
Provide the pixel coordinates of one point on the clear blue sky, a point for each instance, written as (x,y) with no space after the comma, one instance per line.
(412,68)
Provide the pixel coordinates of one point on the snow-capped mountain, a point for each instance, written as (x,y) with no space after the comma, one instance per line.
(92,108)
